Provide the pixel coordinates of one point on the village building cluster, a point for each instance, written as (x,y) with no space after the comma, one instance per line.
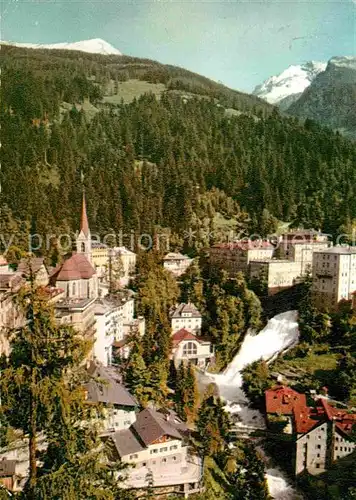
(80,289)
(287,262)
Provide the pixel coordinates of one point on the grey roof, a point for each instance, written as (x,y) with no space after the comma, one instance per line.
(339,249)
(34,264)
(150,425)
(7,467)
(104,388)
(177,312)
(126,442)
(97,244)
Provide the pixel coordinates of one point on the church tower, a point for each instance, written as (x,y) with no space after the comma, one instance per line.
(84,237)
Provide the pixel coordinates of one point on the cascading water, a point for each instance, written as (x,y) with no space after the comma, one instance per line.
(280,333)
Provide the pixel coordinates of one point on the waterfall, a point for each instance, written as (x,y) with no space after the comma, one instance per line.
(280,333)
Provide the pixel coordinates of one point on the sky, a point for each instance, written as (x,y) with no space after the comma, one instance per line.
(237,42)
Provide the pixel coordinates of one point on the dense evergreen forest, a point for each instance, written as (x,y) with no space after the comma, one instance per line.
(157,163)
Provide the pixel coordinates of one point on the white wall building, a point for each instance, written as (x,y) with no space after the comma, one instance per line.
(106,388)
(334,276)
(236,256)
(156,444)
(278,274)
(188,348)
(176,263)
(186,316)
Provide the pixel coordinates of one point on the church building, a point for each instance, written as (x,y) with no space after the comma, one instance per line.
(76,275)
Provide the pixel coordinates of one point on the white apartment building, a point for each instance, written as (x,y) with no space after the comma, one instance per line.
(279,274)
(334,276)
(303,253)
(185,316)
(236,256)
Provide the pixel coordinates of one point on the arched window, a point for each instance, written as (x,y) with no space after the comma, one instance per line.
(190,349)
(74,289)
(82,247)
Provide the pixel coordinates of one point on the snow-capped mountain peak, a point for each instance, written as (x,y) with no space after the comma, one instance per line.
(94,46)
(292,81)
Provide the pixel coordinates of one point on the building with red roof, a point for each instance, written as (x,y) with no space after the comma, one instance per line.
(236,256)
(76,276)
(322,432)
(187,347)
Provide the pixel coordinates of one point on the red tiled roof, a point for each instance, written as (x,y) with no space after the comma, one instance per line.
(344,421)
(245,245)
(305,419)
(75,268)
(285,401)
(282,400)
(181,335)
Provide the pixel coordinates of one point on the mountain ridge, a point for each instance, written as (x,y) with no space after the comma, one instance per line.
(92,46)
(288,85)
(331,97)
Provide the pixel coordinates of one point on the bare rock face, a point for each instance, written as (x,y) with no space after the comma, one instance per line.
(331,97)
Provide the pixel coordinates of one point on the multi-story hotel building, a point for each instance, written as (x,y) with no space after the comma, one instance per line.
(334,276)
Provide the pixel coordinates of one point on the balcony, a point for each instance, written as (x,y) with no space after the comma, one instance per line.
(324,274)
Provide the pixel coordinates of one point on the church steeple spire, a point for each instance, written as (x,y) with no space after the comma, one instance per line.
(84,237)
(84,225)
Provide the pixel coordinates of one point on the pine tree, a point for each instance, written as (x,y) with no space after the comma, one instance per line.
(136,374)
(190,396)
(42,392)
(213,426)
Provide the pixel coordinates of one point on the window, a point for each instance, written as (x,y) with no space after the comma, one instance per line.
(163,449)
(336,447)
(153,451)
(317,466)
(134,455)
(318,455)
(164,460)
(143,464)
(318,446)
(174,458)
(174,447)
(190,349)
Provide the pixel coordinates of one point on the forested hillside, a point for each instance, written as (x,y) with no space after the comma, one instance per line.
(168,162)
